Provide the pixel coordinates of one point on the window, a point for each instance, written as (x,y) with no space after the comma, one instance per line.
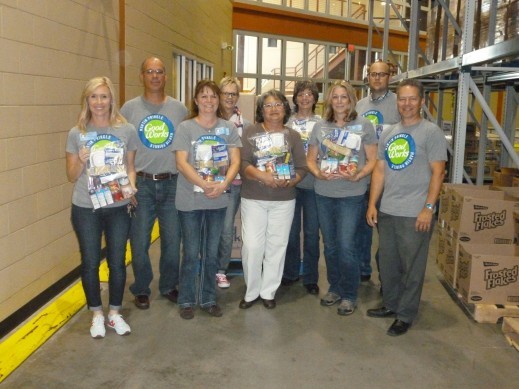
(260,66)
(186,73)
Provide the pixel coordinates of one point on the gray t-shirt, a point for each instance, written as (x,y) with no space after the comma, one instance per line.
(381,113)
(96,139)
(156,126)
(190,135)
(304,127)
(350,139)
(408,152)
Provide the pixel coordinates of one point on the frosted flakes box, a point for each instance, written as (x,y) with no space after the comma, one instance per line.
(488,273)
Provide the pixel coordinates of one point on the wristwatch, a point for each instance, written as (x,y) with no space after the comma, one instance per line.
(429,206)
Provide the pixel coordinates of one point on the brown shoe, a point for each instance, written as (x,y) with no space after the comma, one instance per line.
(172,296)
(187,313)
(213,310)
(142,301)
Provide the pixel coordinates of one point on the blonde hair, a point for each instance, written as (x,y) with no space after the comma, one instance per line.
(329,115)
(116,119)
(229,80)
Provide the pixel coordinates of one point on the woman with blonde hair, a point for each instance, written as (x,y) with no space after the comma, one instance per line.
(341,155)
(100,154)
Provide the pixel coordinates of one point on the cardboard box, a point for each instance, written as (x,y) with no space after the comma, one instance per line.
(440,249)
(447,259)
(483,216)
(488,274)
(504,176)
(445,194)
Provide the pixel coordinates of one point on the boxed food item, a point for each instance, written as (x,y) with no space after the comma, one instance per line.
(504,176)
(445,195)
(447,254)
(483,216)
(488,273)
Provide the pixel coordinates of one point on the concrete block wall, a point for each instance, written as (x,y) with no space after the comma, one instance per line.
(49,49)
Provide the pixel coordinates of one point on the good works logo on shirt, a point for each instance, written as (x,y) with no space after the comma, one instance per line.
(400,151)
(374,116)
(156,131)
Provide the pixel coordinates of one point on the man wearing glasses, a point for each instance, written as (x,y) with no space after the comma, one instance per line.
(380,108)
(156,117)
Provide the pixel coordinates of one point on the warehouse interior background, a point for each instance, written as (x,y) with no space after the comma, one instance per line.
(468,59)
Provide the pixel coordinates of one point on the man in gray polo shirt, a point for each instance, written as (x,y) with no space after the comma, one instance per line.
(155,117)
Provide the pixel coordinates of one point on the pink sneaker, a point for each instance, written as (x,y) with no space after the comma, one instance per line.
(222,281)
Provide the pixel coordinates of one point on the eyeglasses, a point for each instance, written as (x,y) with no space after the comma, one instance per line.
(304,95)
(273,105)
(158,72)
(229,94)
(378,75)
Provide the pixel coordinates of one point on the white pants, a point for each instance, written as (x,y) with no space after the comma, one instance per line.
(265,229)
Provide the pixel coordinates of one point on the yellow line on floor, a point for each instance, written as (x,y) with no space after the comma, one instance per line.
(22,342)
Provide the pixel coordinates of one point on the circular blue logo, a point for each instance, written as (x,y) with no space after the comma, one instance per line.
(400,151)
(156,131)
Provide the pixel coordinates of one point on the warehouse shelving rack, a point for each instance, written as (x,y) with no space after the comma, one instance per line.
(472,75)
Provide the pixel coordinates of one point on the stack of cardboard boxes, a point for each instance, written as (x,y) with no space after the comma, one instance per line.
(476,250)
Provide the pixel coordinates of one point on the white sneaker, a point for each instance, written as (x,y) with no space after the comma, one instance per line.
(119,325)
(97,329)
(222,281)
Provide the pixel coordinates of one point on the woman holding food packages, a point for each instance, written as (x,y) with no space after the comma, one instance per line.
(208,158)
(272,164)
(100,155)
(341,155)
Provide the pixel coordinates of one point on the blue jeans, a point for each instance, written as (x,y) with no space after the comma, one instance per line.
(339,219)
(305,205)
(228,233)
(156,200)
(201,230)
(89,226)
(364,240)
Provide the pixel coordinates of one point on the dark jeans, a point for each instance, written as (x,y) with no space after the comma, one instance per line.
(89,226)
(156,200)
(364,240)
(307,208)
(201,232)
(339,219)
(226,240)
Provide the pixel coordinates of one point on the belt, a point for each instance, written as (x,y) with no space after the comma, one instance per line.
(156,177)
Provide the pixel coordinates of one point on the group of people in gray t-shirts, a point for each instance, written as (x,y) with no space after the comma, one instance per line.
(293,174)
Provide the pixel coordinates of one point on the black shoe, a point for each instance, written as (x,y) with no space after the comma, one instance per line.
(247,304)
(269,304)
(312,288)
(288,282)
(398,327)
(380,312)
(365,277)
(142,301)
(172,296)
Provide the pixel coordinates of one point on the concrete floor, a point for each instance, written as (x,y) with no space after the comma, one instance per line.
(300,344)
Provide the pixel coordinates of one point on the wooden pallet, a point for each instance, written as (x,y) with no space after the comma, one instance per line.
(481,313)
(491,313)
(511,331)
